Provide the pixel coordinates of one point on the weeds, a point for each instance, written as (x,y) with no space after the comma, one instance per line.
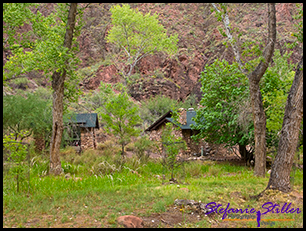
(108,190)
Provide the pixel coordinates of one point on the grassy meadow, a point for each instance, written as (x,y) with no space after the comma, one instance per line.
(100,187)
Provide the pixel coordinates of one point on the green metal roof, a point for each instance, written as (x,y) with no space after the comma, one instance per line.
(87,120)
(167,117)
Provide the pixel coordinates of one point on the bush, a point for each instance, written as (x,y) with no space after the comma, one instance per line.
(109,148)
(143,148)
(16,158)
(172,146)
(87,158)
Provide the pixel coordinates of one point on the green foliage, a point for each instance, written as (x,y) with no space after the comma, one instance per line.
(21,82)
(275,86)
(299,25)
(120,115)
(32,113)
(138,35)
(18,153)
(172,146)
(225,93)
(225,116)
(44,43)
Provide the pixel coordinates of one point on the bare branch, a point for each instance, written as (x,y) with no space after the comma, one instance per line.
(226,23)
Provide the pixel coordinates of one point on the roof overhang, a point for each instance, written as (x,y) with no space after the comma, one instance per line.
(158,122)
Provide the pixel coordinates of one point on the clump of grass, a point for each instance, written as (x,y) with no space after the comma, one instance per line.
(214,171)
(40,165)
(109,147)
(68,151)
(193,169)
(88,158)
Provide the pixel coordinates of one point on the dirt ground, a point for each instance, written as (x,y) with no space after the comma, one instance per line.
(174,217)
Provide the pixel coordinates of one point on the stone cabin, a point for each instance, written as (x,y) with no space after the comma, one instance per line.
(84,130)
(185,120)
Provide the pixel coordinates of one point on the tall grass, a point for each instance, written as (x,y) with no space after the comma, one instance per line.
(102,188)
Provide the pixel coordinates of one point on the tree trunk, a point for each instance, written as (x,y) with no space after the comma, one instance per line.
(289,135)
(259,117)
(58,80)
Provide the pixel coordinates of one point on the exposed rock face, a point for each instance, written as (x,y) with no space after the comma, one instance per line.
(107,74)
(129,221)
(174,78)
(200,43)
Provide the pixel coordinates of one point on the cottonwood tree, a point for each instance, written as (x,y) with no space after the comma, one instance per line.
(46,47)
(289,135)
(254,77)
(58,80)
(137,36)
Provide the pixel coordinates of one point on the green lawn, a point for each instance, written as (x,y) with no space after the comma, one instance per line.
(99,198)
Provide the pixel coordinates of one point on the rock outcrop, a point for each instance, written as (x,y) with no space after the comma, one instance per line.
(130,221)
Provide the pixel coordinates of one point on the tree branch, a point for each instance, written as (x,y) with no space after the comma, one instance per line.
(269,49)
(226,23)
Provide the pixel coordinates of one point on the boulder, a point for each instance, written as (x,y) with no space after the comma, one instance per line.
(129,221)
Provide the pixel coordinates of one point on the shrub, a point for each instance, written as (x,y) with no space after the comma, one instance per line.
(109,148)
(143,147)
(172,146)
(87,158)
(17,157)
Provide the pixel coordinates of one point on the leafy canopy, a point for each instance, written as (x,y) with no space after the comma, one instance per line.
(225,93)
(225,115)
(138,35)
(31,113)
(41,47)
(275,86)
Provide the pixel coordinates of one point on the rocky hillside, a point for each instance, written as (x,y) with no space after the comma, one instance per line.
(200,43)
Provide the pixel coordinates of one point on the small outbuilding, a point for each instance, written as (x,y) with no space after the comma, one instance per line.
(185,120)
(84,130)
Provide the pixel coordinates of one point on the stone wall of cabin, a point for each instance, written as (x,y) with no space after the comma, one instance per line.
(39,143)
(88,138)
